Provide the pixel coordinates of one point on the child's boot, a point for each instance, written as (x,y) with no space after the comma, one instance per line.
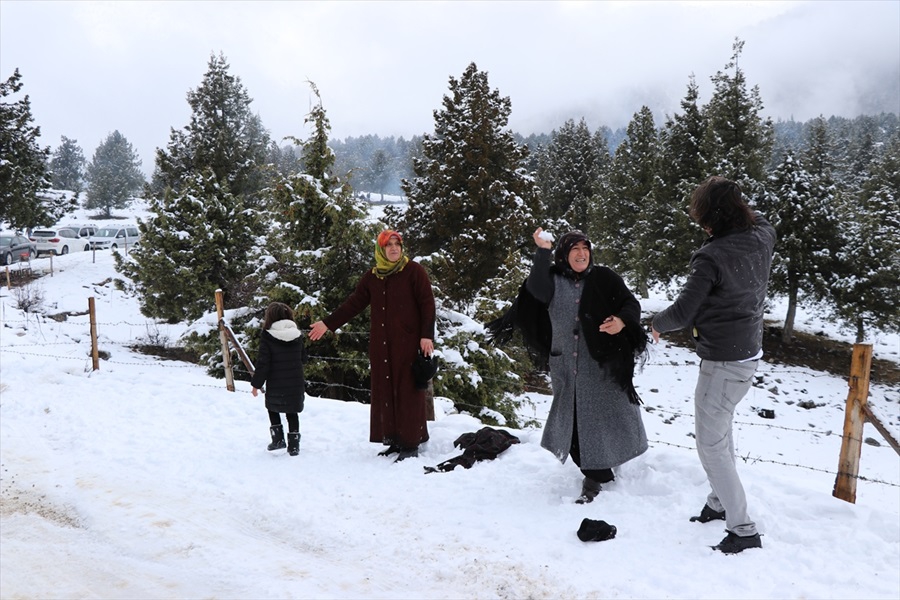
(277,432)
(293,444)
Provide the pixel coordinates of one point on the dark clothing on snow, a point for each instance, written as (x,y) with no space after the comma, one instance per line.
(485,444)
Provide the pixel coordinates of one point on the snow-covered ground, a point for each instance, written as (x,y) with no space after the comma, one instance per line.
(148,479)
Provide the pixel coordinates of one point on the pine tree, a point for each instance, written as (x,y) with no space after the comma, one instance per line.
(67,166)
(206,214)
(114,175)
(381,170)
(471,200)
(184,256)
(681,170)
(223,135)
(866,287)
(569,174)
(23,165)
(318,246)
(628,215)
(738,141)
(798,204)
(283,160)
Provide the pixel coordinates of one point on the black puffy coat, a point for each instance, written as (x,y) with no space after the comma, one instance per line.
(279,366)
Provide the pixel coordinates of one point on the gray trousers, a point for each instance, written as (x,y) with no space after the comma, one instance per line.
(720,387)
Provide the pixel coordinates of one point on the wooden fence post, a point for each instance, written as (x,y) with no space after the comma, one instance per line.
(226,354)
(242,354)
(8,280)
(95,354)
(854,419)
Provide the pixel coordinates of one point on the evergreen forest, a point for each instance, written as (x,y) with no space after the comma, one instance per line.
(262,219)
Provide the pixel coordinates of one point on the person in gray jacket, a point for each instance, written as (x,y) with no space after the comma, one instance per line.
(722,303)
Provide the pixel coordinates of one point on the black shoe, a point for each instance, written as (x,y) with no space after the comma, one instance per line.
(589,491)
(595,531)
(407,453)
(293,444)
(392,449)
(733,543)
(707,514)
(277,432)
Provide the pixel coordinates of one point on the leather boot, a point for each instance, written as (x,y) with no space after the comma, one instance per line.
(589,491)
(293,444)
(277,432)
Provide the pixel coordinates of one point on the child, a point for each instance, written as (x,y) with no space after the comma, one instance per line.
(280,367)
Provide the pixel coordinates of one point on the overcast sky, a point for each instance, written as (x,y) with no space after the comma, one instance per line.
(382,67)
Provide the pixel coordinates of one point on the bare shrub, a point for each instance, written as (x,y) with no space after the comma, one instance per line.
(29,297)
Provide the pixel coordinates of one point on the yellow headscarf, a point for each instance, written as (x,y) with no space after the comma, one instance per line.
(384,267)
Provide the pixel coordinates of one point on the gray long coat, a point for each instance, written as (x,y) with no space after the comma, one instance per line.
(610,429)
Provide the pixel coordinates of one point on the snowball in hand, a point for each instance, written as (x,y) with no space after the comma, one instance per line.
(546,235)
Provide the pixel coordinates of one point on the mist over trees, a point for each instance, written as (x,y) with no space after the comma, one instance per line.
(67,166)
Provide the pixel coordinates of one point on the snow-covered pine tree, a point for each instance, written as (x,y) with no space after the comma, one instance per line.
(207,184)
(188,249)
(223,135)
(866,286)
(114,175)
(628,216)
(738,141)
(681,171)
(23,165)
(799,206)
(67,166)
(569,174)
(472,201)
(318,246)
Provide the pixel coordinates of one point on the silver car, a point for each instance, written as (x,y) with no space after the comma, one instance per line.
(115,237)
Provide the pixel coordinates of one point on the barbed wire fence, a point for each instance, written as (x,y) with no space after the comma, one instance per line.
(85,356)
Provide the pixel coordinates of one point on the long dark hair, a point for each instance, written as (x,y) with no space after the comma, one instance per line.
(718,206)
(277,311)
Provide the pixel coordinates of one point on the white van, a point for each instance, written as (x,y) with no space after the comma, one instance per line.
(114,237)
(83,230)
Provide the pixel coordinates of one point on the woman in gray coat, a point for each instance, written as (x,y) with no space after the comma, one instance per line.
(595,339)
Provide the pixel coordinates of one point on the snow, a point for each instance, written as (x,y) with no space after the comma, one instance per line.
(148,479)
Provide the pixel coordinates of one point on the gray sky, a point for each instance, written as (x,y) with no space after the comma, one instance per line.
(383,67)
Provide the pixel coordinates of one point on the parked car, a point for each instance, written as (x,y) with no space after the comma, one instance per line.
(83,231)
(115,236)
(15,247)
(58,241)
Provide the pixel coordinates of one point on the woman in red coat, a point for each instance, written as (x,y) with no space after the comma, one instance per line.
(402,306)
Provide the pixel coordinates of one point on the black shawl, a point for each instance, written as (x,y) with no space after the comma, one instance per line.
(605,294)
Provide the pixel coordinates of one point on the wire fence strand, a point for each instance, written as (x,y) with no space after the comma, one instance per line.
(19,349)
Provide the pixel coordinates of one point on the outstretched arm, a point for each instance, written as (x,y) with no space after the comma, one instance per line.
(317,330)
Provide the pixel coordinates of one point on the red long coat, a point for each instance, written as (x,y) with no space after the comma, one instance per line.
(402,313)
